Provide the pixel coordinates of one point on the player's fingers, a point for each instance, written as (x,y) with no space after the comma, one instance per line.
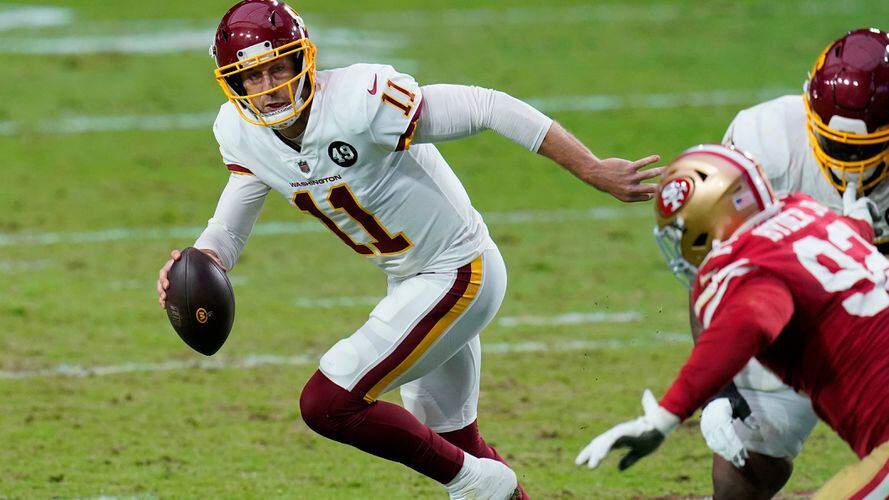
(644,162)
(165,269)
(635,197)
(219,263)
(175,254)
(641,192)
(629,459)
(645,188)
(650,173)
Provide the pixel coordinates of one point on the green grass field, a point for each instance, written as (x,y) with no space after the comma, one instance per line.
(93,198)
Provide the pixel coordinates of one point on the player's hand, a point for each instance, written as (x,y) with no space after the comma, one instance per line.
(623,179)
(855,207)
(719,432)
(163,283)
(642,436)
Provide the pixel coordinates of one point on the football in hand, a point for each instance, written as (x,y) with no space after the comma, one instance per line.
(200,301)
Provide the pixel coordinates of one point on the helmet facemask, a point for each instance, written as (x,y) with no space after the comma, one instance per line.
(846,157)
(229,78)
(669,241)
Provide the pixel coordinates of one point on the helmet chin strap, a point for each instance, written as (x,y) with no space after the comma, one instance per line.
(286,123)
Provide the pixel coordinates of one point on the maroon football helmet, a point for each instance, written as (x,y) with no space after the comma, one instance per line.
(847,107)
(255,32)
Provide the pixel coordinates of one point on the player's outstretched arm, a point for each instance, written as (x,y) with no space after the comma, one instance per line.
(455,111)
(621,178)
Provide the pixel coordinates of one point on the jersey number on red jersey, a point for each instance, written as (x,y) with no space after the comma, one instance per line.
(843,261)
(341,198)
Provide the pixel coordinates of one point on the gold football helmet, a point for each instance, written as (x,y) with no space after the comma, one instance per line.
(256,32)
(704,195)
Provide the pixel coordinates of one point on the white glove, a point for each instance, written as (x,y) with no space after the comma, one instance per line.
(718,431)
(858,208)
(642,435)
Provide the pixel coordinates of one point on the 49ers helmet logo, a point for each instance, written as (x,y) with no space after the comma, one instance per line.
(674,195)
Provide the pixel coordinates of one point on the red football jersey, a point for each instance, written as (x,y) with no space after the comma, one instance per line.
(805,292)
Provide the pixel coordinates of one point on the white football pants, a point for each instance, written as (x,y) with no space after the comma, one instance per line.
(423,337)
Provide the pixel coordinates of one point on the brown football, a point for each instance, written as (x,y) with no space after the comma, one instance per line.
(200,301)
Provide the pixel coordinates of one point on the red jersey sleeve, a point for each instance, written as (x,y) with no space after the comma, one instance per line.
(749,314)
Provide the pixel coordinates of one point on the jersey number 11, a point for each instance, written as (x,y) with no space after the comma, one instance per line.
(341,198)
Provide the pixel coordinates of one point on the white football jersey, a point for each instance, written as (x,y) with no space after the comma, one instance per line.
(774,132)
(400,205)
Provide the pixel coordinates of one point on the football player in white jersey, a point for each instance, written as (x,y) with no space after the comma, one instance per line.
(352,147)
(832,142)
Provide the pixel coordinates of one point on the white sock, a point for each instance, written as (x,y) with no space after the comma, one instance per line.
(466,475)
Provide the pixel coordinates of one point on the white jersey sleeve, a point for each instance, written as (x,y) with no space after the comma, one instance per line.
(763,132)
(456,111)
(238,206)
(236,213)
(392,106)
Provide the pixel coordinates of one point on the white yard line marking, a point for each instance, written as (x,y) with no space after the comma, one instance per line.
(257,360)
(335,302)
(20,16)
(579,14)
(183,40)
(342,46)
(587,103)
(667,100)
(574,318)
(9,128)
(276,228)
(13,266)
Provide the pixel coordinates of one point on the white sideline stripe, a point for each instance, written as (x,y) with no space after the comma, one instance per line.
(310,226)
(590,103)
(257,360)
(575,318)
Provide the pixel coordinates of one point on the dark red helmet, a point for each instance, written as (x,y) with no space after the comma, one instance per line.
(847,103)
(255,32)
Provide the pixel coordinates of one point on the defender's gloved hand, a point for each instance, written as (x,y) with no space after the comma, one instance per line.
(642,436)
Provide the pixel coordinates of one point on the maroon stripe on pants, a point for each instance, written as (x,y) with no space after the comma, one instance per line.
(417,334)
